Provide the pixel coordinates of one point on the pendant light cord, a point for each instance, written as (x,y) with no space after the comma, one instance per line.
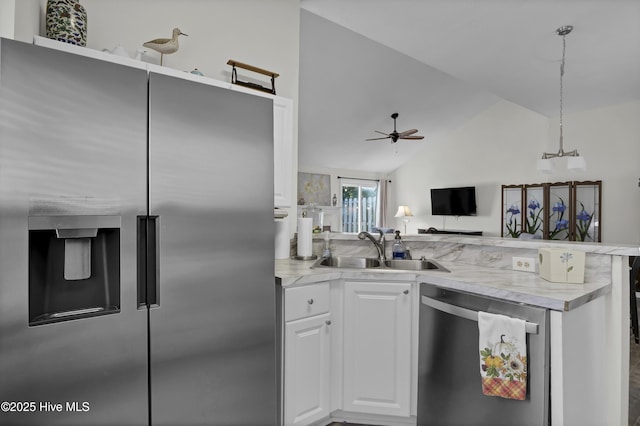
(576,163)
(564,47)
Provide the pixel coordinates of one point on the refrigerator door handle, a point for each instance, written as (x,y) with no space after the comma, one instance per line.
(148,264)
(530,327)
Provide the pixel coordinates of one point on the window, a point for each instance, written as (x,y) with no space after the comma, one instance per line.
(359,205)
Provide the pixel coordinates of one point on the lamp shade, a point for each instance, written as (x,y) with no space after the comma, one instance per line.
(576,164)
(545,165)
(403,211)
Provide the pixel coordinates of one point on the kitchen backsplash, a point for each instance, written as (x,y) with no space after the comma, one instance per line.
(598,266)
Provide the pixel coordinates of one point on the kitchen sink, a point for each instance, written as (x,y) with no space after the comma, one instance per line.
(414,264)
(349,262)
(374,263)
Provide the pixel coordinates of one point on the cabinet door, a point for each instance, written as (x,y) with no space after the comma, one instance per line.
(307,370)
(282,151)
(377,348)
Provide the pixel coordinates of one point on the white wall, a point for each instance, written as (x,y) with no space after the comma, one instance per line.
(19,19)
(7,22)
(29,19)
(609,139)
(501,146)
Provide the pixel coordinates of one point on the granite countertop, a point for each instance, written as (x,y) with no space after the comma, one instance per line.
(515,286)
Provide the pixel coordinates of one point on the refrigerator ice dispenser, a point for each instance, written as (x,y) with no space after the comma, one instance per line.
(74,267)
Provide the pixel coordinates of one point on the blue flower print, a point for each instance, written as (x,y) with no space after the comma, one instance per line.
(534,223)
(512,221)
(583,215)
(560,231)
(559,207)
(583,224)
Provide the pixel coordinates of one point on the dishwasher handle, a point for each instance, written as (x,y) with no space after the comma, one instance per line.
(530,327)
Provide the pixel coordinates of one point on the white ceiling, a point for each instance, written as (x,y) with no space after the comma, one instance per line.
(440,62)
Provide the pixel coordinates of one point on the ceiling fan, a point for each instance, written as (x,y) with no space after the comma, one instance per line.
(395,135)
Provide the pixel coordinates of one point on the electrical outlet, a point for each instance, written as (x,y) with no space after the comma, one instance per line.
(527,264)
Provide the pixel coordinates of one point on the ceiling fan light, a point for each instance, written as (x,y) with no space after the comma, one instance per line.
(576,164)
(545,165)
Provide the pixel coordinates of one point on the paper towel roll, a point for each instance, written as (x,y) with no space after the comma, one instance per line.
(283,243)
(305,236)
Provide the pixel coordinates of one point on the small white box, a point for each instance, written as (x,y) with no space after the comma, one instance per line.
(561,265)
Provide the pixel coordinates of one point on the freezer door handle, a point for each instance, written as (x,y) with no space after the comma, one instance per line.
(148,264)
(530,327)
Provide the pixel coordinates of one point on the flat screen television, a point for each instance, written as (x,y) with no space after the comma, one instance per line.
(453,201)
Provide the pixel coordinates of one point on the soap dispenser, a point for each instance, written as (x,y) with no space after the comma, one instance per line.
(326,252)
(399,250)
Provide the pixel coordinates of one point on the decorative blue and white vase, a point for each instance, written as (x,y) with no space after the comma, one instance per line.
(67,22)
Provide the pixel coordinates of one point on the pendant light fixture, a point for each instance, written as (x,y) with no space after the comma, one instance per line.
(574,161)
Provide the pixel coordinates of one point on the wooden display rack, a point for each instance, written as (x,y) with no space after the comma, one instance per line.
(234,76)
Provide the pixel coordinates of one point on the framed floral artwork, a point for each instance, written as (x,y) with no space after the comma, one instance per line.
(314,189)
(567,211)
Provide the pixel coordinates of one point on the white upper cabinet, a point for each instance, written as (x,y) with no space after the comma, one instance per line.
(282,151)
(307,354)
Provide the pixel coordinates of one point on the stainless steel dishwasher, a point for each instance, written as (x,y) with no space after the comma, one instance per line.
(449,382)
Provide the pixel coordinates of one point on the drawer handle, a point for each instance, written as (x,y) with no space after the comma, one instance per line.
(406,292)
(310,301)
(328,322)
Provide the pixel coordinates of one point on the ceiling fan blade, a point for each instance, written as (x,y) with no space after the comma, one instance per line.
(408,132)
(411,137)
(377,139)
(383,133)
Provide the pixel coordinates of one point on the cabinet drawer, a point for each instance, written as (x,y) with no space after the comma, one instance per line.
(301,302)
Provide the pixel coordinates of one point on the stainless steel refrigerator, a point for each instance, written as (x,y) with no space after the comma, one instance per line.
(136,246)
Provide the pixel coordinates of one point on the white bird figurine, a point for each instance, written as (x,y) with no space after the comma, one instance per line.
(165,45)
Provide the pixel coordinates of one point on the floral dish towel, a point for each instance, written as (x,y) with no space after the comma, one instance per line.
(503,356)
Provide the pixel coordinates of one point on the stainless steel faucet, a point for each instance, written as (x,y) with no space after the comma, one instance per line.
(379,243)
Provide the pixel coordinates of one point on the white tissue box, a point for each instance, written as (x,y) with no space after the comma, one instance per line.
(560,265)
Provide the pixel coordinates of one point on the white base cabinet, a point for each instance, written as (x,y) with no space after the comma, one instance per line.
(377,348)
(348,353)
(307,370)
(307,346)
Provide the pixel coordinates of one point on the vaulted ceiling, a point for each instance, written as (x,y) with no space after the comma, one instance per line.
(438,63)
